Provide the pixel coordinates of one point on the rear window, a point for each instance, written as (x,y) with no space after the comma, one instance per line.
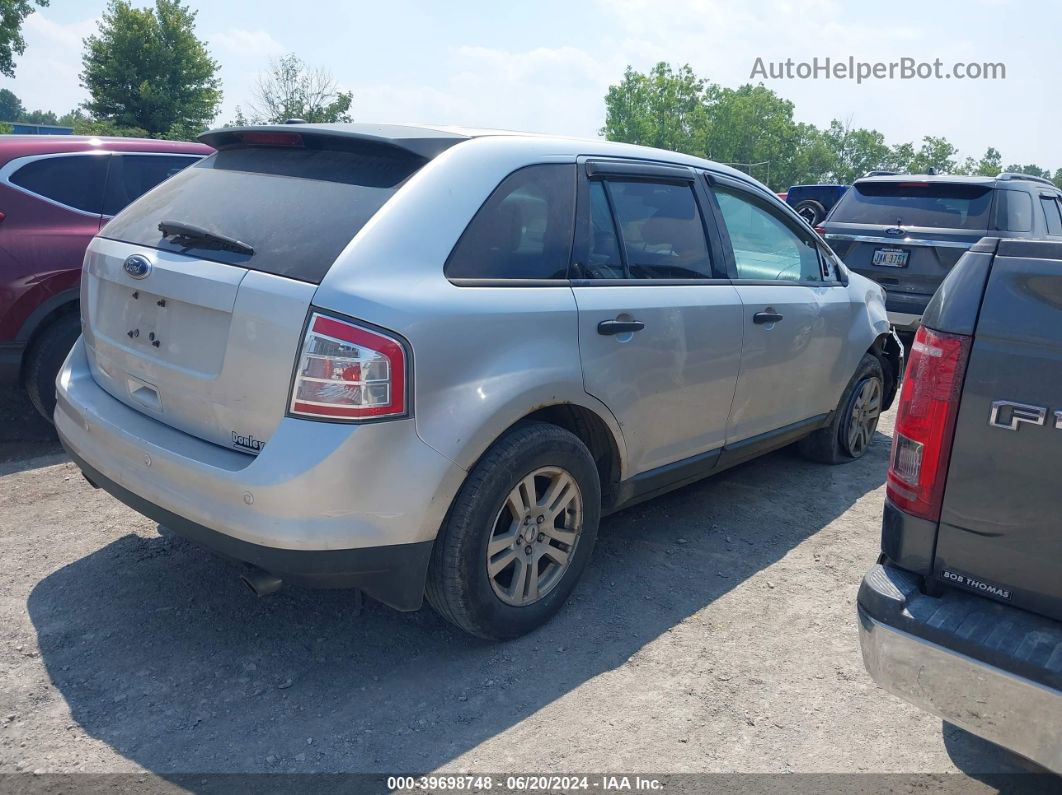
(297,208)
(937,204)
(132,175)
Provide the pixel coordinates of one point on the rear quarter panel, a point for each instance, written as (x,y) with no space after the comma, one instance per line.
(483,357)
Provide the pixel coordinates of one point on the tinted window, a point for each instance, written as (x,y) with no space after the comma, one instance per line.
(765,247)
(131,176)
(936,204)
(661,229)
(297,207)
(1014,211)
(523,231)
(76,180)
(1051,214)
(603,258)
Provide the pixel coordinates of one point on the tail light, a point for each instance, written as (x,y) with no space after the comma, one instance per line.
(925,422)
(820,230)
(348,372)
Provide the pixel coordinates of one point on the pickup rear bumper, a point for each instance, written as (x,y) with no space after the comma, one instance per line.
(991,669)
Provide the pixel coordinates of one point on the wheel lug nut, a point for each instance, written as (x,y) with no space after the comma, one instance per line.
(541,519)
(527,550)
(541,537)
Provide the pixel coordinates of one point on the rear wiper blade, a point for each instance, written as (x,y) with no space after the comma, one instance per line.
(190,232)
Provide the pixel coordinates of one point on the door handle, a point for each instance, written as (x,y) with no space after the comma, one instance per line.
(608,327)
(767,316)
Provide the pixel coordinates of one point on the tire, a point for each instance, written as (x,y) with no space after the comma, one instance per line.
(458,584)
(811,211)
(44,358)
(836,444)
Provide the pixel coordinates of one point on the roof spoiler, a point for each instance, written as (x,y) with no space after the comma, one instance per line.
(423,142)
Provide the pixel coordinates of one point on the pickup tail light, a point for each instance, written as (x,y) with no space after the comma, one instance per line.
(348,372)
(925,422)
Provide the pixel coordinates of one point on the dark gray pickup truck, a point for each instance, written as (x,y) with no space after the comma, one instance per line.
(962,615)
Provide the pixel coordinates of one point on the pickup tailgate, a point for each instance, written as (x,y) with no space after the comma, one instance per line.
(1001,522)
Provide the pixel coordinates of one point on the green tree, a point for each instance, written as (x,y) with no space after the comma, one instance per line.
(1031,169)
(935,153)
(39,117)
(12,14)
(10,105)
(292,90)
(665,108)
(753,125)
(855,151)
(990,164)
(146,70)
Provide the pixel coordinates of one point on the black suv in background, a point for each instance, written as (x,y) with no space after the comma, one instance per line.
(962,615)
(907,231)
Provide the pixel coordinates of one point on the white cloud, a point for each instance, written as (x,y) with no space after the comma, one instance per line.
(46,76)
(557,90)
(246,43)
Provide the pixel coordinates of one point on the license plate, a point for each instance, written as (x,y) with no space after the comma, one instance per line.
(891,257)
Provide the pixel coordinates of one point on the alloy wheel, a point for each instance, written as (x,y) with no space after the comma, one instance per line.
(534,536)
(863,417)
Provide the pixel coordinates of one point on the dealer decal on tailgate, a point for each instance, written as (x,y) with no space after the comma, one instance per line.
(976,584)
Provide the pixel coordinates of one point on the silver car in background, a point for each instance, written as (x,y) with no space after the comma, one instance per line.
(426,361)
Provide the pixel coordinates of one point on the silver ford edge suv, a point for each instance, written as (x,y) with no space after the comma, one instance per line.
(426,361)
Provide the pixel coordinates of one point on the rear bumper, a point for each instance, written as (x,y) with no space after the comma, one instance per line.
(323,504)
(906,310)
(392,574)
(991,669)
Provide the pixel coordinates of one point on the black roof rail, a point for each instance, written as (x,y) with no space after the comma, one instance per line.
(1008,175)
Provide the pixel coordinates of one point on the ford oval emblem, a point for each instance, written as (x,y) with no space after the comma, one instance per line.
(137,266)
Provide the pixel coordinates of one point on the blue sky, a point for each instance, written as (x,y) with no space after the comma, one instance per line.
(546,65)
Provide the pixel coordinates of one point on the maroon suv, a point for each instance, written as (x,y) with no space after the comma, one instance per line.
(56,192)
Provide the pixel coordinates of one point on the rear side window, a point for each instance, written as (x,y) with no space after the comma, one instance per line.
(296,207)
(523,231)
(1052,215)
(1014,211)
(603,258)
(74,180)
(131,176)
(934,204)
(765,247)
(661,228)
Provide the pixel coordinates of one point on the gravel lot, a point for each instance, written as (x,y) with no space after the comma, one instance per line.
(714,631)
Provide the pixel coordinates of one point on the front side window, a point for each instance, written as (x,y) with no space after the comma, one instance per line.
(523,231)
(74,180)
(660,227)
(765,247)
